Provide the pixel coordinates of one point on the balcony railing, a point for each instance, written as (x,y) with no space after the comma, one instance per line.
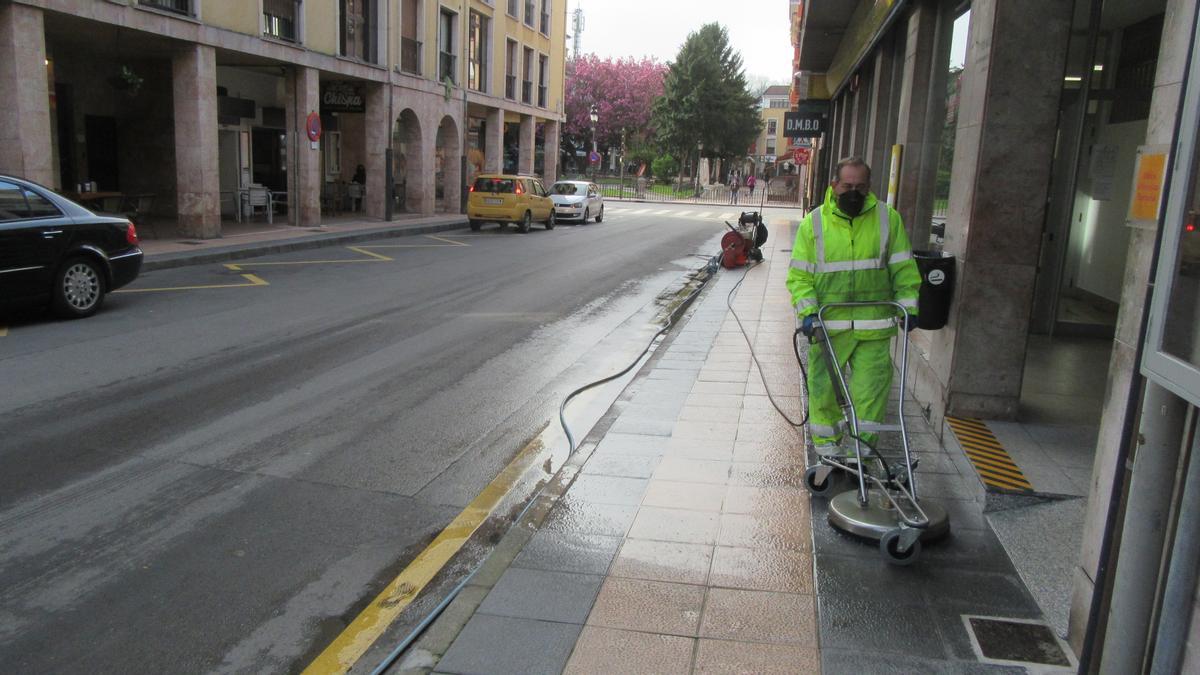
(446,62)
(183,7)
(281,27)
(526,91)
(410,55)
(542,96)
(510,87)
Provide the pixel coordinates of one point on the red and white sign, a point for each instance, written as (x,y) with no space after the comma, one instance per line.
(313,126)
(801,155)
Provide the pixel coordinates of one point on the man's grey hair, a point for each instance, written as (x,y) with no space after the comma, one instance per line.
(850,161)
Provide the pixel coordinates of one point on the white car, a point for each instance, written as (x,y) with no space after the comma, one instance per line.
(577,200)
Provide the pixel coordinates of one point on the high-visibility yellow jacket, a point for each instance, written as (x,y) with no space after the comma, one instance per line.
(839,259)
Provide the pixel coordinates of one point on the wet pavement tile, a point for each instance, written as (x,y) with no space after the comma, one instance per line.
(781,501)
(756,451)
(967,549)
(762,474)
(990,593)
(690,496)
(727,388)
(573,515)
(663,561)
(695,448)
(640,398)
(684,470)
(601,651)
(871,579)
(628,466)
(648,606)
(689,365)
(544,595)
(632,444)
(764,531)
(692,527)
(705,430)
(778,432)
(714,400)
(665,386)
(759,616)
(609,489)
(647,426)
(856,621)
(568,552)
(724,656)
(858,662)
(714,375)
(665,411)
(761,569)
(710,414)
(498,645)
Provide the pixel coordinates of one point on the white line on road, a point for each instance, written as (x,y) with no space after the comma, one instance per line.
(662,213)
(704,214)
(640,212)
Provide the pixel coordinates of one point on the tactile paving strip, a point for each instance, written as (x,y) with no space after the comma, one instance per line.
(995,466)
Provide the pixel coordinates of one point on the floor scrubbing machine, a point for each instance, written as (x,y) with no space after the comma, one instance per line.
(885,506)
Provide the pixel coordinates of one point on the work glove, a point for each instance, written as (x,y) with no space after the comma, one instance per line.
(808,326)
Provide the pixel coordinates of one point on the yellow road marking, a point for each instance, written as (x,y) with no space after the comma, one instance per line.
(254,281)
(445,243)
(994,465)
(364,251)
(3,331)
(357,638)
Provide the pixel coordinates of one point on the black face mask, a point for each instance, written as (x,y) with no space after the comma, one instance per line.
(851,202)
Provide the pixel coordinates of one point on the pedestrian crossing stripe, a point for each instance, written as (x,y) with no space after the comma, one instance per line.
(996,468)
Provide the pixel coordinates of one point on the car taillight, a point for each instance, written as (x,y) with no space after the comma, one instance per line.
(131,235)
(471,189)
(519,190)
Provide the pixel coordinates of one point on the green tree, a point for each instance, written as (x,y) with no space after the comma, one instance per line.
(706,100)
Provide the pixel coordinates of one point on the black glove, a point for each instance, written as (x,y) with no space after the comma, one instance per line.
(808,326)
(910,322)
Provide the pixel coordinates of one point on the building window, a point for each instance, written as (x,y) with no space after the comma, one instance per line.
(543,77)
(527,80)
(545,17)
(530,13)
(446,51)
(280,19)
(410,42)
(779,103)
(770,147)
(477,49)
(357,36)
(510,70)
(771,127)
(514,8)
(183,7)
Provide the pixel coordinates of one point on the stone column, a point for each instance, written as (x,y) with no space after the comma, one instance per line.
(921,115)
(525,160)
(304,162)
(1008,118)
(452,169)
(881,124)
(420,173)
(25,145)
(194,84)
(550,151)
(377,133)
(493,142)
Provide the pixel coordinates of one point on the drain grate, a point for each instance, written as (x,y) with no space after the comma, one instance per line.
(1015,641)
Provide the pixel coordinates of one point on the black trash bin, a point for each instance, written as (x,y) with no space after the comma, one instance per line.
(937,288)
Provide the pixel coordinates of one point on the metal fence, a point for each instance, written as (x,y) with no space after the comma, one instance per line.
(779,192)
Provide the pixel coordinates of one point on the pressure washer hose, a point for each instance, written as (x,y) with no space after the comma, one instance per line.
(711,268)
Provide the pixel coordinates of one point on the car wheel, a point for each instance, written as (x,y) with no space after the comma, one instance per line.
(475,225)
(587,213)
(600,216)
(525,222)
(551,221)
(78,288)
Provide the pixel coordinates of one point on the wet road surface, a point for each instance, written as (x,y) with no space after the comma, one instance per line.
(218,478)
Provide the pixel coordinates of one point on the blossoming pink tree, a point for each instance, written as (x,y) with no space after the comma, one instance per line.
(623,92)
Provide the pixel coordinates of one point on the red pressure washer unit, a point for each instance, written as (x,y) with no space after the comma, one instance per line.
(742,243)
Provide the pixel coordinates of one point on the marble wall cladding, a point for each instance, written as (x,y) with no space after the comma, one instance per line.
(377,134)
(550,159)
(194,81)
(527,136)
(493,161)
(303,96)
(25,148)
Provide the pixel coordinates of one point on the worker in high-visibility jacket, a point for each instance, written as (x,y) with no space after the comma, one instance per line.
(852,249)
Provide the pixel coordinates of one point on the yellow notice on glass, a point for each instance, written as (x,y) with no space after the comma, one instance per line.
(1147,184)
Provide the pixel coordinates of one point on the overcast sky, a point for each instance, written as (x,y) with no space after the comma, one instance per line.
(757,28)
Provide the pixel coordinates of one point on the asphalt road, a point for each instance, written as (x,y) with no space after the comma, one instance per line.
(218,478)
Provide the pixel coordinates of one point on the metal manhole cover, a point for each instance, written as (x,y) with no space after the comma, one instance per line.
(1015,641)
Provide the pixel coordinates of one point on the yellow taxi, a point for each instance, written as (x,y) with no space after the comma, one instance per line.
(506,198)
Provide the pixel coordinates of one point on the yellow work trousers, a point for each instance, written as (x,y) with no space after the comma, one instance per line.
(869,378)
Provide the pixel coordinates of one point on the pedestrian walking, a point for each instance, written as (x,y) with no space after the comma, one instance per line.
(733,188)
(750,180)
(853,248)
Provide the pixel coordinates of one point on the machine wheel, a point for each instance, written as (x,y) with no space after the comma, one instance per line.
(756,255)
(551,222)
(475,225)
(810,482)
(889,547)
(78,288)
(600,216)
(587,213)
(523,227)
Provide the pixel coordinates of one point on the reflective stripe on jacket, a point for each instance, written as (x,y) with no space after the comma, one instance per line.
(836,258)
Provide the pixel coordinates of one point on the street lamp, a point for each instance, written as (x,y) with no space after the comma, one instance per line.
(696,171)
(594,118)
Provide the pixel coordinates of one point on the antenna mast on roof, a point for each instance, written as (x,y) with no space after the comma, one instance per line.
(576,30)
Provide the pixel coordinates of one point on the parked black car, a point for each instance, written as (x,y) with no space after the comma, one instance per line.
(54,250)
